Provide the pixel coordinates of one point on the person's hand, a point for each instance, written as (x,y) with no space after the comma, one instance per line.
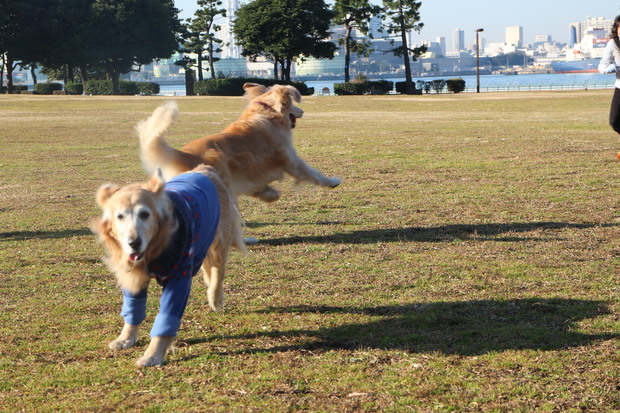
(611,68)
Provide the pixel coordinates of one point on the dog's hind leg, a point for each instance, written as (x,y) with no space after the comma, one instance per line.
(214,268)
(267,194)
(127,338)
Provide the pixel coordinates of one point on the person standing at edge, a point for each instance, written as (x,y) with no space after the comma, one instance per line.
(610,63)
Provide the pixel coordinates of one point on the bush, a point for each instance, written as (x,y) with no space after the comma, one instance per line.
(104,87)
(17,89)
(456,85)
(99,87)
(401,87)
(438,85)
(234,86)
(148,88)
(74,88)
(370,87)
(47,88)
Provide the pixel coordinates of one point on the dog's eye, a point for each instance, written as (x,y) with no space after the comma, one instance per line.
(120,217)
(144,215)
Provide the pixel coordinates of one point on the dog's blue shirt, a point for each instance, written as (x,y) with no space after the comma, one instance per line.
(197,210)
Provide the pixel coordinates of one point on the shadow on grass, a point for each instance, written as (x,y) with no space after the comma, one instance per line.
(26,235)
(463,328)
(480,232)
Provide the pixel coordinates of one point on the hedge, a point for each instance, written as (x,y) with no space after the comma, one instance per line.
(17,89)
(456,85)
(74,88)
(401,87)
(369,87)
(234,86)
(104,87)
(47,88)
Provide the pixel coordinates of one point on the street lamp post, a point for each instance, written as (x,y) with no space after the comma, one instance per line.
(478,60)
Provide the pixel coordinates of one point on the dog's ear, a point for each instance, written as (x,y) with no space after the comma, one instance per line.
(253,90)
(294,93)
(105,192)
(157,183)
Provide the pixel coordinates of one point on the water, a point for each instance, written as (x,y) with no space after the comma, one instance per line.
(488,83)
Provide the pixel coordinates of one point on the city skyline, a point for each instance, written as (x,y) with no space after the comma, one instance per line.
(440,18)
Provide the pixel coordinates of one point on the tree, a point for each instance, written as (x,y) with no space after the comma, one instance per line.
(403,16)
(201,33)
(22,25)
(125,33)
(354,14)
(284,30)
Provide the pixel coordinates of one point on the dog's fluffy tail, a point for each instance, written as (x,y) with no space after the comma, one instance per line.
(154,149)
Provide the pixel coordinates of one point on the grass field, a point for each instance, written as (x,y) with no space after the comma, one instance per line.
(468,262)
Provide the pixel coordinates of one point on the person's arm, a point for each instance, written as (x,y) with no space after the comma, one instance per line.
(607,63)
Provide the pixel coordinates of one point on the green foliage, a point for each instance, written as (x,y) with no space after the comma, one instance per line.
(47,88)
(105,87)
(17,89)
(234,86)
(148,88)
(424,85)
(371,87)
(438,85)
(284,30)
(401,87)
(74,88)
(455,85)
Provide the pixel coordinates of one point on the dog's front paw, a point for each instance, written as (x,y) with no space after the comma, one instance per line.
(334,182)
(149,361)
(121,344)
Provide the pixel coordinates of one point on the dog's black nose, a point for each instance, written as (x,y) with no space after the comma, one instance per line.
(135,244)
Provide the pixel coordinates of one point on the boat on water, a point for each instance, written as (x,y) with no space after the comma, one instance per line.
(576,66)
(584,57)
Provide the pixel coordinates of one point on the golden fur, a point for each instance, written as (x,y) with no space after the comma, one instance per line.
(251,153)
(144,211)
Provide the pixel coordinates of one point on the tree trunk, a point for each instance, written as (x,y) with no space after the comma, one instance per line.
(84,77)
(347,52)
(211,65)
(275,68)
(9,73)
(199,63)
(33,74)
(114,75)
(189,82)
(408,83)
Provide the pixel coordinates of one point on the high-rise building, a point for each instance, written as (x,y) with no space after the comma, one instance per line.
(578,30)
(458,40)
(514,35)
(442,44)
(230,49)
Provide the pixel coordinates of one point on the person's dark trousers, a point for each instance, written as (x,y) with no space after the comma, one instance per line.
(614,113)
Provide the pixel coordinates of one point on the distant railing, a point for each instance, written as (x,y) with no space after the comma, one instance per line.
(525,88)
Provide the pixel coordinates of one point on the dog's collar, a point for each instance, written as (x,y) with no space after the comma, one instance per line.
(263,104)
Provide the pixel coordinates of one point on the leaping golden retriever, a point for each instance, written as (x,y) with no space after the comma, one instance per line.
(252,152)
(167,231)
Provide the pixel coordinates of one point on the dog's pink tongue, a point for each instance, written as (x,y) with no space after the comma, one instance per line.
(135,257)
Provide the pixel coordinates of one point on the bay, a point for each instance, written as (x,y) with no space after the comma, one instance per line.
(488,83)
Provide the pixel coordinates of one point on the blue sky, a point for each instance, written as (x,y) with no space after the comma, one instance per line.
(441,17)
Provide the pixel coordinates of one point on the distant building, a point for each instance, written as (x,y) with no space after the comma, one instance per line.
(442,45)
(577,31)
(542,38)
(458,40)
(514,35)
(230,49)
